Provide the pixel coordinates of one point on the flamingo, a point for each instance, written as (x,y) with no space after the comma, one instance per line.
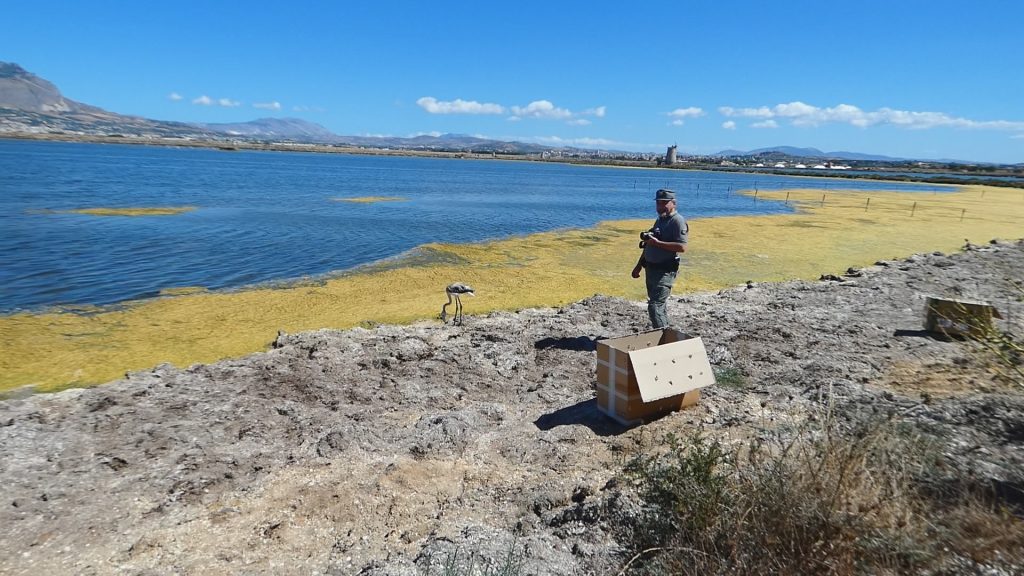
(455,291)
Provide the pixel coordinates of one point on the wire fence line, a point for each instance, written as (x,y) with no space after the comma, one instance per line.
(955,204)
(950,202)
(957,209)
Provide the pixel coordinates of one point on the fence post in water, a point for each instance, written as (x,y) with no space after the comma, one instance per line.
(962,212)
(787,197)
(822,199)
(866,204)
(913,209)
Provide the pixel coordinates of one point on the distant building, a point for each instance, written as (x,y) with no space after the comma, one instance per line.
(670,155)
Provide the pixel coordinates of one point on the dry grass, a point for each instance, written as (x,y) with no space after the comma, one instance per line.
(868,501)
(1004,349)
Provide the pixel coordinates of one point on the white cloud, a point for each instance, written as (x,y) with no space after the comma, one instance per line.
(762,112)
(765,124)
(1018,136)
(307,109)
(679,114)
(205,100)
(435,134)
(805,115)
(538,109)
(559,141)
(174,96)
(541,109)
(458,106)
(729,125)
(595,142)
(267,105)
(691,112)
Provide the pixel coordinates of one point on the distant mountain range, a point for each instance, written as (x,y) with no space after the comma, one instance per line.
(30,104)
(808,153)
(33,105)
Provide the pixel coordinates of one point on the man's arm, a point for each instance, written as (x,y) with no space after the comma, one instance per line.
(669,246)
(639,266)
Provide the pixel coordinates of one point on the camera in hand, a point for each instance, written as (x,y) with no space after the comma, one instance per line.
(645,236)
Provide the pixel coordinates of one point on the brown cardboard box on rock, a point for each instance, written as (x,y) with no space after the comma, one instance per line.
(951,317)
(646,375)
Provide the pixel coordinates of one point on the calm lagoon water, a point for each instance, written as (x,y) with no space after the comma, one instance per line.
(272,216)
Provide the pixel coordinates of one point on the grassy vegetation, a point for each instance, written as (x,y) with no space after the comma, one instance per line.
(999,350)
(1005,348)
(873,500)
(730,377)
(1007,351)
(61,349)
(473,565)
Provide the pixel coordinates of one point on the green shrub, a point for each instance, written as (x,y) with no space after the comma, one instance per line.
(730,377)
(510,565)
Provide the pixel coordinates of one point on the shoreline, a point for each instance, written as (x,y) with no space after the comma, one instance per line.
(385,451)
(231,146)
(55,350)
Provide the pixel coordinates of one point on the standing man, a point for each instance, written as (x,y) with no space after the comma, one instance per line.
(662,244)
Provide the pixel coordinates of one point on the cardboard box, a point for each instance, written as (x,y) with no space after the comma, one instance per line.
(953,317)
(645,375)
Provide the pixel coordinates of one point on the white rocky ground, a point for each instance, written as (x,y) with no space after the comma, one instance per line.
(384,451)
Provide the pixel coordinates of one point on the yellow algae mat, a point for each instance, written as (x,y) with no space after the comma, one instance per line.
(831,231)
(157,211)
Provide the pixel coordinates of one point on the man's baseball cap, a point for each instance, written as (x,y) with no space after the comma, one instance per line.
(665,194)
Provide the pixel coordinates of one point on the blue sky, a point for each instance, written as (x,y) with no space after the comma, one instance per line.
(907,78)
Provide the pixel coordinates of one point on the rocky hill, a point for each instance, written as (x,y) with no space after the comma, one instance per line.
(276,128)
(31,105)
(791,152)
(23,90)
